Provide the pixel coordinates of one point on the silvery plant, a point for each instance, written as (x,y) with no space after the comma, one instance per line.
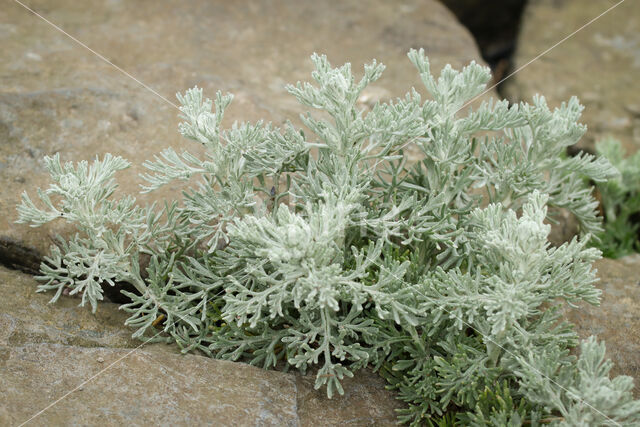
(329,250)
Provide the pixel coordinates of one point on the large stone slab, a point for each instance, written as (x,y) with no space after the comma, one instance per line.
(617,319)
(139,388)
(58,97)
(47,350)
(114,387)
(26,317)
(599,64)
(365,402)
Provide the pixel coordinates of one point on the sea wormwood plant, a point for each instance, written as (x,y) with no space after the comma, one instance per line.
(339,253)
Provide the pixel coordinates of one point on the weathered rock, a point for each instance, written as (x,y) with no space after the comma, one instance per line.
(365,402)
(59,97)
(153,386)
(26,317)
(617,319)
(47,350)
(139,388)
(112,387)
(599,64)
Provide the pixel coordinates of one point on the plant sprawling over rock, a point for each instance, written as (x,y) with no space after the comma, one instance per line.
(340,253)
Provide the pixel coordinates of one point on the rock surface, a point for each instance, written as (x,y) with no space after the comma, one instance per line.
(617,319)
(26,317)
(114,387)
(599,64)
(365,402)
(58,97)
(139,388)
(48,350)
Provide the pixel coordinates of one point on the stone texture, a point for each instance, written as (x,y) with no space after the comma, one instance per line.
(114,387)
(58,97)
(139,388)
(48,350)
(599,64)
(26,317)
(617,319)
(151,386)
(365,402)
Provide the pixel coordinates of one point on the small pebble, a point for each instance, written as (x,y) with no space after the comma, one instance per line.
(100,360)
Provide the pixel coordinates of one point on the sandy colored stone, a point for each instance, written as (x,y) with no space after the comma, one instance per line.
(139,388)
(58,97)
(142,387)
(47,350)
(26,317)
(364,403)
(617,319)
(599,64)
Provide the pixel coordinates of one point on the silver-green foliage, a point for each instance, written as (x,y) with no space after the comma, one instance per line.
(345,252)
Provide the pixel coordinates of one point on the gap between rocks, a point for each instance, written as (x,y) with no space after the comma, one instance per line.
(15,256)
(495,26)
